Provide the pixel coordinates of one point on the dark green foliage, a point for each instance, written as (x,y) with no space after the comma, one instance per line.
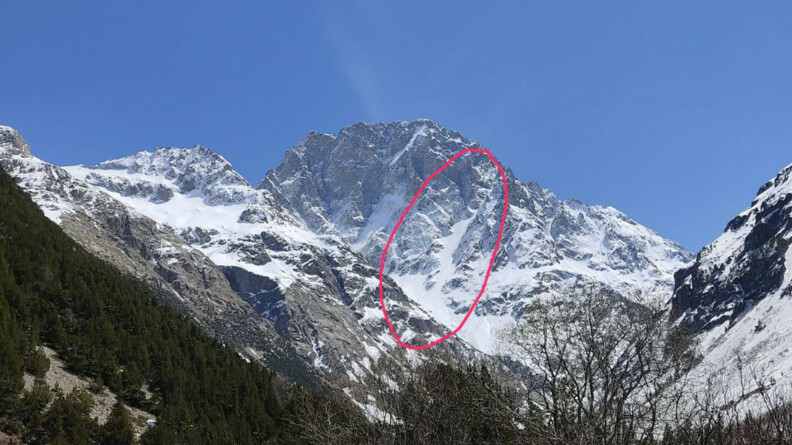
(118,429)
(67,420)
(12,342)
(37,363)
(31,410)
(111,328)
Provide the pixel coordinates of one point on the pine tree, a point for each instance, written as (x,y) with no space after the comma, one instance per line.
(118,429)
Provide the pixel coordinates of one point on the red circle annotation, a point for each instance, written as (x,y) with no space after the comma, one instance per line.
(491,262)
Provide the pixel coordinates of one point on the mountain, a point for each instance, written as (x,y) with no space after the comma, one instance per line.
(356,184)
(292,265)
(229,255)
(734,296)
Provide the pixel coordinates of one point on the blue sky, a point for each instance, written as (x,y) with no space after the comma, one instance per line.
(673,112)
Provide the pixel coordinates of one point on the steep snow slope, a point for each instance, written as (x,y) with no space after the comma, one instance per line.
(356,184)
(735,295)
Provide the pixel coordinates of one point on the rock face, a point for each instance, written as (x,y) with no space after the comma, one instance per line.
(735,295)
(293,263)
(11,141)
(198,170)
(356,184)
(743,266)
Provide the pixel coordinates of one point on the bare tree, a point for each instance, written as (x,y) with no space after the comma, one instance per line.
(329,419)
(601,368)
(437,402)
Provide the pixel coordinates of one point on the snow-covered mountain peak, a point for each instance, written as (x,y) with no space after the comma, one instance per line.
(160,175)
(384,143)
(356,183)
(335,181)
(12,142)
(193,168)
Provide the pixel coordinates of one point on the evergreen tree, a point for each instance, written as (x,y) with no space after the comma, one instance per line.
(31,412)
(118,429)
(68,419)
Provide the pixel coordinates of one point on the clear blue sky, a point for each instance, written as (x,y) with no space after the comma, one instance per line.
(673,112)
